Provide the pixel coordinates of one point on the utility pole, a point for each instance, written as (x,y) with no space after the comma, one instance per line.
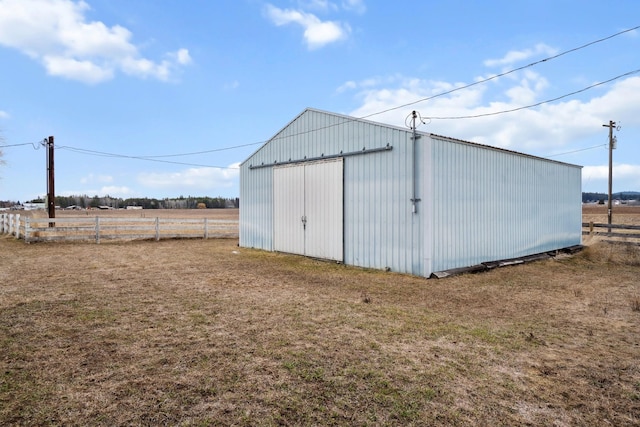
(611,125)
(51,193)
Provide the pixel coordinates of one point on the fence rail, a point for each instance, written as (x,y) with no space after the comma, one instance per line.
(616,233)
(109,228)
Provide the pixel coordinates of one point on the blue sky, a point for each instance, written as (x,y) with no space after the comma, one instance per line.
(165,78)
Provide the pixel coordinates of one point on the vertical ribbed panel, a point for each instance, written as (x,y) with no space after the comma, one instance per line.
(477,203)
(256,208)
(378,223)
(323,236)
(288,209)
(490,204)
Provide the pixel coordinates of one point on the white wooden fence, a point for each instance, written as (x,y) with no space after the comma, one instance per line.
(109,228)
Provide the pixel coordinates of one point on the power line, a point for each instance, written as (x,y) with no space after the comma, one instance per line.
(537,104)
(233,147)
(35,145)
(503,74)
(349,120)
(123,156)
(157,157)
(550,58)
(577,151)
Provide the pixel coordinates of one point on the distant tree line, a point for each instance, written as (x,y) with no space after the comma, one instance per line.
(144,202)
(190,202)
(601,197)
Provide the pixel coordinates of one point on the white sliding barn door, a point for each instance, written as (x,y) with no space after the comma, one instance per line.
(308,209)
(288,209)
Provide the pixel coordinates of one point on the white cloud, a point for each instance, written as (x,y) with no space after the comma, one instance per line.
(573,123)
(193,179)
(84,71)
(317,33)
(318,5)
(520,55)
(182,56)
(4,115)
(349,85)
(57,34)
(357,6)
(325,6)
(531,84)
(546,130)
(620,171)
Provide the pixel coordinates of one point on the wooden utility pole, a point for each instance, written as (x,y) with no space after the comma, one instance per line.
(51,193)
(611,125)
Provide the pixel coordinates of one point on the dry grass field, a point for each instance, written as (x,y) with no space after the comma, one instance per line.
(203,333)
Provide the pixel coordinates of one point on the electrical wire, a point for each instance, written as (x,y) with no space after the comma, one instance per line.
(158,157)
(349,120)
(204,152)
(150,158)
(537,104)
(504,73)
(36,145)
(577,151)
(123,156)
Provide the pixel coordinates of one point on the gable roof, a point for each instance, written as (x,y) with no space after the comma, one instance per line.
(348,119)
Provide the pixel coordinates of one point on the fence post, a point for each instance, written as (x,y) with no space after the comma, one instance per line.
(98,229)
(591,228)
(157,229)
(2,223)
(17,226)
(206,229)
(27,229)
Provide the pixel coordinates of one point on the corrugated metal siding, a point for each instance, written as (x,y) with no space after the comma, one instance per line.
(477,203)
(308,209)
(256,208)
(379,229)
(288,209)
(324,209)
(490,205)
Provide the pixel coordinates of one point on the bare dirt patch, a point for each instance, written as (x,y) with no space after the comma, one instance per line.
(201,332)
